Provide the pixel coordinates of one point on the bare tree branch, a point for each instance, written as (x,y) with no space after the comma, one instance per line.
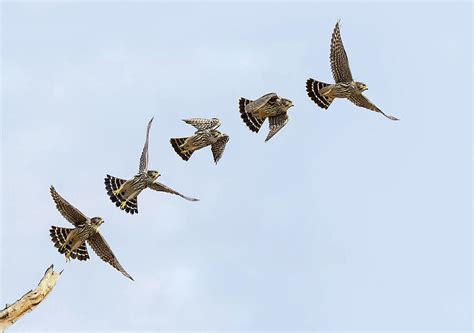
(30,300)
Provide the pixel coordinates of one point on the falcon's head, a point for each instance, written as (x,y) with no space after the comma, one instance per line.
(153,174)
(97,221)
(361,86)
(286,103)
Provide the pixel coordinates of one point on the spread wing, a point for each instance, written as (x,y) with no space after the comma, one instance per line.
(218,147)
(102,249)
(257,104)
(144,158)
(163,188)
(276,123)
(339,62)
(362,101)
(202,124)
(68,211)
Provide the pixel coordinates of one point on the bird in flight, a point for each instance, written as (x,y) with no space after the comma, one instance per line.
(206,135)
(345,87)
(72,241)
(124,193)
(270,106)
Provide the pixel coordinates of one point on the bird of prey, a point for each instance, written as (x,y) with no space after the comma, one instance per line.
(270,106)
(124,193)
(206,135)
(72,241)
(345,87)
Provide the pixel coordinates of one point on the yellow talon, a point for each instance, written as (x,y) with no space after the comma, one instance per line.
(123,204)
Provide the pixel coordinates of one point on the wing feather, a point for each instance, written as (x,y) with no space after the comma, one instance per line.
(339,62)
(218,147)
(68,211)
(364,102)
(144,157)
(276,124)
(202,124)
(257,104)
(102,249)
(163,188)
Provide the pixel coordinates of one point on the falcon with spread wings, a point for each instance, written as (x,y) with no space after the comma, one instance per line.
(72,241)
(124,193)
(206,135)
(345,87)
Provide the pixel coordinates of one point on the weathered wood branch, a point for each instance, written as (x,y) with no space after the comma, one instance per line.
(30,300)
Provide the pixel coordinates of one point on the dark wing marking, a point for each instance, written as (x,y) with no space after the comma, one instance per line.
(339,62)
(276,123)
(253,106)
(144,157)
(163,188)
(68,211)
(218,147)
(362,101)
(102,249)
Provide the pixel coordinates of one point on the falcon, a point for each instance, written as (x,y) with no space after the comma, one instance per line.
(270,106)
(345,87)
(124,193)
(206,135)
(72,241)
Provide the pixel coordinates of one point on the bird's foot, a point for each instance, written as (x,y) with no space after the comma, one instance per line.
(122,206)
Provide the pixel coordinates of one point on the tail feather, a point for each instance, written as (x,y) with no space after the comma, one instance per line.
(177,143)
(312,88)
(254,123)
(112,184)
(59,236)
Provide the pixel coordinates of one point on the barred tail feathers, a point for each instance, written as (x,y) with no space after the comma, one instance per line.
(177,146)
(249,119)
(113,184)
(59,237)
(312,88)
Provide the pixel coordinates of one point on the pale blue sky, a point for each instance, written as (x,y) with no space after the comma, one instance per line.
(343,221)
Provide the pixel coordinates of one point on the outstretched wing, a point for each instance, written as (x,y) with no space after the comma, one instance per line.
(102,249)
(276,123)
(339,62)
(257,104)
(68,211)
(218,147)
(163,188)
(202,124)
(362,101)
(144,158)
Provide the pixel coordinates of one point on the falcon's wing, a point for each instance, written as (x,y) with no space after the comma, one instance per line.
(202,124)
(218,147)
(362,101)
(276,123)
(163,188)
(339,62)
(68,211)
(144,158)
(102,249)
(257,104)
